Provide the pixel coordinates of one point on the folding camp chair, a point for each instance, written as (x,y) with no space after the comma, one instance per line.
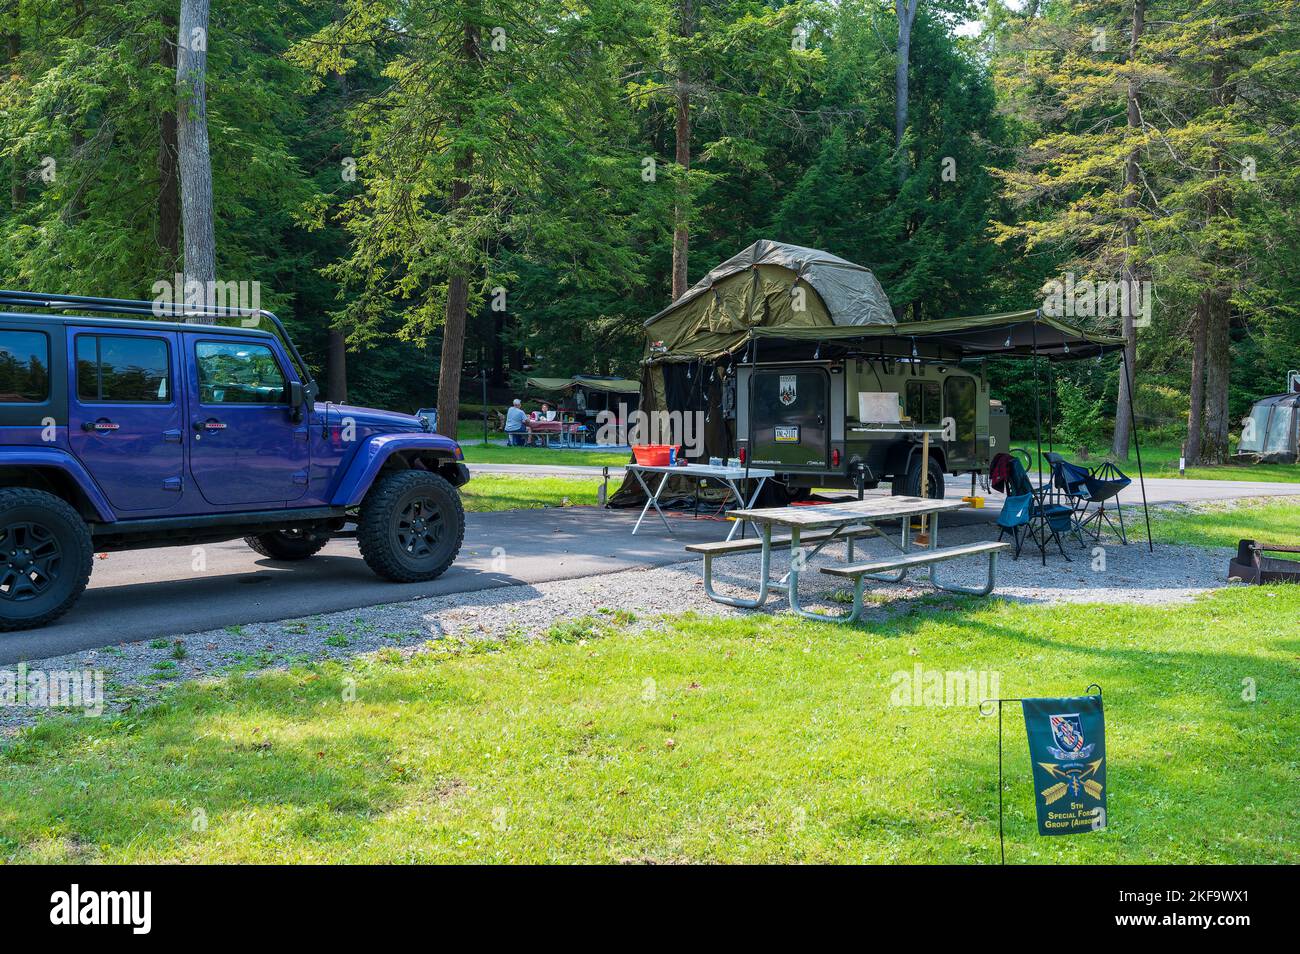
(1103,484)
(1069,483)
(1045,520)
(1014,519)
(1088,491)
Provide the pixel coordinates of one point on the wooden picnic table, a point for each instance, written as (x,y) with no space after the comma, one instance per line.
(846,521)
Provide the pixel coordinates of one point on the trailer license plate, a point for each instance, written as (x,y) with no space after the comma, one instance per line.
(787,435)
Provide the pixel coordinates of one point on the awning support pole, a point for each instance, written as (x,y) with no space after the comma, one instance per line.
(1137,446)
(1040,503)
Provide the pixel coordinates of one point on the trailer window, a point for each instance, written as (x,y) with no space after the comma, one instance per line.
(959,398)
(923,403)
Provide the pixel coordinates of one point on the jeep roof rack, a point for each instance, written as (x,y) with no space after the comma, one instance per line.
(150,309)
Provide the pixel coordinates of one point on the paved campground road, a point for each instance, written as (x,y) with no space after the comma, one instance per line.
(148,593)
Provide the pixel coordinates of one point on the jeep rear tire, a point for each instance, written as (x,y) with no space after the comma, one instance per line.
(45,557)
(288,544)
(411,526)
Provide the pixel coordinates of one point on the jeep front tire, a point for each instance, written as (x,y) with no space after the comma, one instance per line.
(45,557)
(287,544)
(411,526)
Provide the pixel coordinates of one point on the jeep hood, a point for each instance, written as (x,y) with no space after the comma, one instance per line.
(385,421)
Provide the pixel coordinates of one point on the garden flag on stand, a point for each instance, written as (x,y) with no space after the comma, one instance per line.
(1067,751)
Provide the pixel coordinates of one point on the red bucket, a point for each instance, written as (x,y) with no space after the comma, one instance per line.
(651,455)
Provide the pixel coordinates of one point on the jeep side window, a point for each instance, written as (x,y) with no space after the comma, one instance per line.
(123,369)
(239,373)
(24,367)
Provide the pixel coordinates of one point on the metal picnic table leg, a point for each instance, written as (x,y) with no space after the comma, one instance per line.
(764,572)
(651,500)
(796,558)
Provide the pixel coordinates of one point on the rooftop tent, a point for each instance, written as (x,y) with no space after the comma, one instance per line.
(589,381)
(769,285)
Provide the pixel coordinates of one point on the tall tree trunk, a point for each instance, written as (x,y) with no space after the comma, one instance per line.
(681,222)
(1196,414)
(1218,339)
(336,366)
(195,164)
(1124,402)
(453,329)
(906,10)
(1218,360)
(169,188)
(18,175)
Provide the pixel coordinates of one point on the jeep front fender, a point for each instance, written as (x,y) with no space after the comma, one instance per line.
(57,459)
(375,452)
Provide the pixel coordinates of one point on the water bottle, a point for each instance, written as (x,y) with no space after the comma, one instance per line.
(672,456)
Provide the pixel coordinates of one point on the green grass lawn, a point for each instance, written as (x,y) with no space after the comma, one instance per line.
(1222,525)
(494,454)
(487,492)
(1163,462)
(694,739)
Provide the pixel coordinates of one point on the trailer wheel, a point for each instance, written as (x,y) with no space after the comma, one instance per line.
(910,485)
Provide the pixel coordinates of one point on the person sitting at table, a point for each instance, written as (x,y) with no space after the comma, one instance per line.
(546,413)
(515,427)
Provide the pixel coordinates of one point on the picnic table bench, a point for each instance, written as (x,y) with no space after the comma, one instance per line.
(846,521)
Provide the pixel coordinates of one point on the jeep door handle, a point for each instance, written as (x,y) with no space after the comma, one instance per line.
(211,424)
(103,425)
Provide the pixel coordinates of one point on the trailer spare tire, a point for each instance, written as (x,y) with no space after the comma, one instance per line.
(910,484)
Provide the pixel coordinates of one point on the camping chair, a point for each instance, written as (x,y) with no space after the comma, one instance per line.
(1069,483)
(1043,520)
(1014,519)
(1103,484)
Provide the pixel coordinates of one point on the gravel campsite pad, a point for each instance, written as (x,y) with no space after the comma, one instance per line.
(136,673)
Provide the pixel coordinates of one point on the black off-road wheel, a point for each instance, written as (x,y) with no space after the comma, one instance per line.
(288,544)
(45,557)
(910,484)
(411,526)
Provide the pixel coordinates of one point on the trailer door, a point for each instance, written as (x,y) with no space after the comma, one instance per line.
(791,417)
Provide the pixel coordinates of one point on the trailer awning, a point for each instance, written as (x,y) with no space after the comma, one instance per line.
(1014,334)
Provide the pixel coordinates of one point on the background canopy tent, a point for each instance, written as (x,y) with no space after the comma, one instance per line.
(769,285)
(589,381)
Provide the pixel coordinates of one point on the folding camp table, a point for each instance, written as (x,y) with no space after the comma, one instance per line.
(727,476)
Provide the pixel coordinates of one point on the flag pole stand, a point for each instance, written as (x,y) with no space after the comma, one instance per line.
(1002,845)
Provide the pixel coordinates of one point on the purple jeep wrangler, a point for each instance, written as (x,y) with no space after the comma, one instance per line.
(124,432)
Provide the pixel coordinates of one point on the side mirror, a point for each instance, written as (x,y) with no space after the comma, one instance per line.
(297,399)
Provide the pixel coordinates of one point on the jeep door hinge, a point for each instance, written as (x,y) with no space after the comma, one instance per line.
(174,483)
(300,477)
